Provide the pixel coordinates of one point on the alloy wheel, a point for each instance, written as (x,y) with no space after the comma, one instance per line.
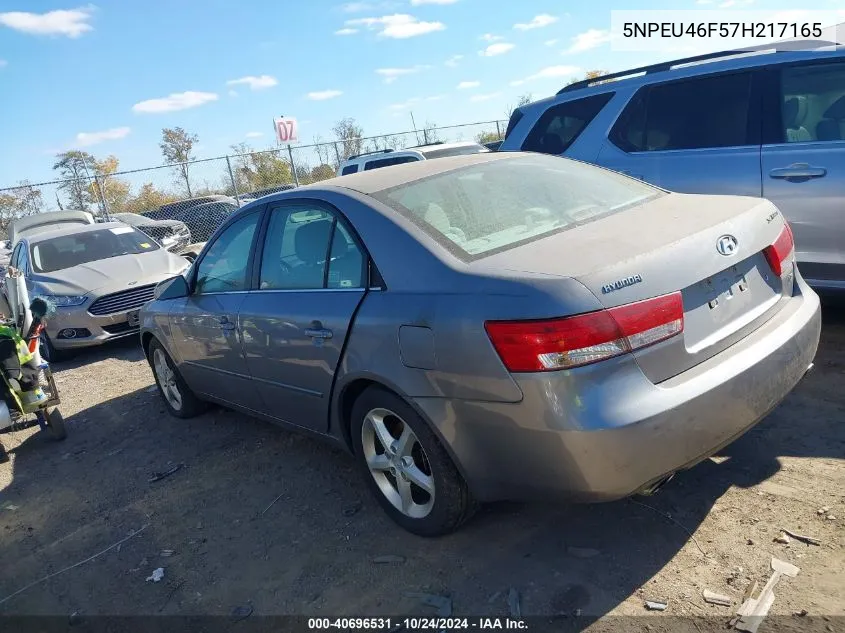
(167,380)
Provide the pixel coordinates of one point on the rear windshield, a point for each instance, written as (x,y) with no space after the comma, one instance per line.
(67,251)
(494,206)
(455,151)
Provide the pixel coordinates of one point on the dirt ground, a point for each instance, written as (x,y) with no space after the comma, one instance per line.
(263,519)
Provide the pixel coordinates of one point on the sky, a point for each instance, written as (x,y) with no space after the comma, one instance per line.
(107,77)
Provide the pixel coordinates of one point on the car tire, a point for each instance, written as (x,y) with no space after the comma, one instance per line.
(180,401)
(56,423)
(49,352)
(414,459)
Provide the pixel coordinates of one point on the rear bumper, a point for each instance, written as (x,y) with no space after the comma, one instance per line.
(606,432)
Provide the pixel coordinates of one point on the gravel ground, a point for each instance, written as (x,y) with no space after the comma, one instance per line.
(263,517)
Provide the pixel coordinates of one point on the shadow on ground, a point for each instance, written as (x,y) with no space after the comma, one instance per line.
(283,523)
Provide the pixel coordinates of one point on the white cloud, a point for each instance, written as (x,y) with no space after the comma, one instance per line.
(357,7)
(398,26)
(71,23)
(233,93)
(478,98)
(489,37)
(174,102)
(346,31)
(254,134)
(550,72)
(538,22)
(255,83)
(323,95)
(84,139)
(551,42)
(496,49)
(588,40)
(405,105)
(392,74)
(452,62)
(466,85)
(416,3)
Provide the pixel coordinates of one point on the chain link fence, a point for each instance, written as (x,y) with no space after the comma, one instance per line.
(181,205)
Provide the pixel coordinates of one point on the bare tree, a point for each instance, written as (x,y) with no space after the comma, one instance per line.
(350,135)
(176,145)
(73,167)
(523,100)
(430,132)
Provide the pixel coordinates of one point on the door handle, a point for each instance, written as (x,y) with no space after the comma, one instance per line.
(318,333)
(798,170)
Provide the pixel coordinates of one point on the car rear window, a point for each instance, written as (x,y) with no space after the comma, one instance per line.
(497,205)
(67,251)
(349,169)
(387,162)
(455,151)
(560,125)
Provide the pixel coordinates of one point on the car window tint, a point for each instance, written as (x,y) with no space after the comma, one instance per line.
(295,249)
(346,265)
(691,114)
(224,266)
(560,125)
(813,103)
(387,162)
(349,169)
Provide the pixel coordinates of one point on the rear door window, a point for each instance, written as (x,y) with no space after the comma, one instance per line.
(560,125)
(349,169)
(695,113)
(813,103)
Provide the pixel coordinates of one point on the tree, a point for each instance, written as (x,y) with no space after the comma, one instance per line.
(590,74)
(176,145)
(108,187)
(430,133)
(488,137)
(148,198)
(322,172)
(523,100)
(259,170)
(18,203)
(74,169)
(351,135)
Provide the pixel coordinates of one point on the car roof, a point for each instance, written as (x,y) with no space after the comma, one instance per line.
(73,230)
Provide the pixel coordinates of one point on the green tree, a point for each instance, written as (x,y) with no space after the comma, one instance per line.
(109,187)
(17,203)
(74,168)
(350,135)
(258,170)
(488,137)
(148,198)
(590,74)
(322,172)
(176,145)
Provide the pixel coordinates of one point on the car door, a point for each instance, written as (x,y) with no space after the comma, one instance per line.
(804,164)
(694,135)
(205,324)
(311,279)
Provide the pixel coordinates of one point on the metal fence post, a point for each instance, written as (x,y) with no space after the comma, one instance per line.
(232,177)
(337,153)
(425,135)
(498,130)
(293,166)
(98,186)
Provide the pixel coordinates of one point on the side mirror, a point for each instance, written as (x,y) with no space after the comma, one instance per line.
(172,288)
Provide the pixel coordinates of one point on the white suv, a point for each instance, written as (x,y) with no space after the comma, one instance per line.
(388,157)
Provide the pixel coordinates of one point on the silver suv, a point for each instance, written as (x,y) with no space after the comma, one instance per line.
(767,123)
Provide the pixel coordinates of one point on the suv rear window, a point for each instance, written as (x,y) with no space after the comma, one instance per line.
(560,125)
(349,169)
(689,114)
(387,162)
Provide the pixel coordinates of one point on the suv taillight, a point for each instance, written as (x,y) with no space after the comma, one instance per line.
(564,343)
(780,251)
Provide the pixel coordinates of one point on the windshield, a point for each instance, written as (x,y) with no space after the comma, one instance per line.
(67,251)
(493,206)
(455,151)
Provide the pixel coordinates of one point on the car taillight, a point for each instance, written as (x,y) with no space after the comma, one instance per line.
(780,251)
(548,345)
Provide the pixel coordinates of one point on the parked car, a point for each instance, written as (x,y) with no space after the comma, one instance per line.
(767,123)
(172,234)
(40,222)
(501,325)
(203,220)
(493,146)
(388,157)
(96,276)
(169,210)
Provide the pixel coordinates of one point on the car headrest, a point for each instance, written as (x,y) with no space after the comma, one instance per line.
(836,110)
(790,112)
(552,144)
(311,241)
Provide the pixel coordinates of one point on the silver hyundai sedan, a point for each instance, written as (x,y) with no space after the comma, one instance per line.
(496,326)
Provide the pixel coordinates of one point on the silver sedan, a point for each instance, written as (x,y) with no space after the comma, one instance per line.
(497,326)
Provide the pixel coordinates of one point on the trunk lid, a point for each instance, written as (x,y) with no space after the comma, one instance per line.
(666,245)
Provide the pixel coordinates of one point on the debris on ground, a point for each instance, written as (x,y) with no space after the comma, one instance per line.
(443,604)
(800,613)
(10,506)
(809,540)
(582,552)
(388,558)
(157,575)
(159,476)
(74,619)
(823,510)
(716,598)
(143,563)
(750,541)
(782,538)
(513,603)
(752,611)
(166,553)
(241,612)
(352,509)
(656,605)
(831,517)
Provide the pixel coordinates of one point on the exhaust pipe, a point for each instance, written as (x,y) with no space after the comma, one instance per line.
(657,485)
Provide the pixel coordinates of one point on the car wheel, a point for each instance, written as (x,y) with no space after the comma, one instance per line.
(50,353)
(177,396)
(56,423)
(406,466)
